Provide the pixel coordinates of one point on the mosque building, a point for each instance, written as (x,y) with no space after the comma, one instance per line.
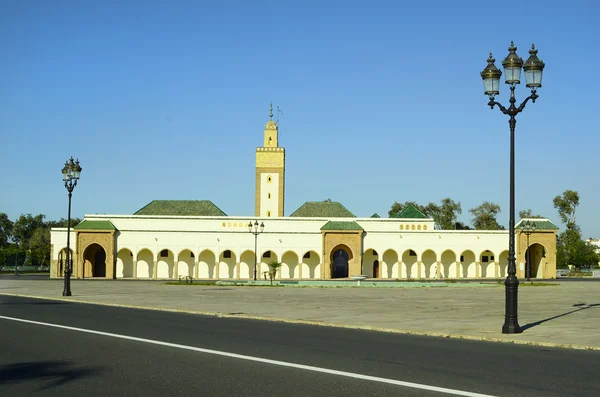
(169,239)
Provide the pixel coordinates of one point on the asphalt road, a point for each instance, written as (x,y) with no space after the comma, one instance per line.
(36,359)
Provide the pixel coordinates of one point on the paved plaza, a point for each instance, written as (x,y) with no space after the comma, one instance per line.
(566,314)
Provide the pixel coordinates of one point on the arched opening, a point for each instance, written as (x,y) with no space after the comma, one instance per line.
(448,268)
(247,264)
(310,267)
(534,257)
(263,268)
(207,264)
(165,266)
(94,259)
(429,260)
(227,264)
(62,261)
(467,259)
(409,262)
(340,257)
(487,260)
(503,264)
(124,264)
(389,268)
(370,263)
(185,263)
(290,267)
(145,264)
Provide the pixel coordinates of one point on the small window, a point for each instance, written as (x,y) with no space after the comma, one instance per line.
(269,214)
(374,252)
(269,195)
(412,253)
(130,253)
(485,259)
(462,258)
(267,254)
(164,253)
(191,254)
(492,258)
(269,179)
(307,255)
(227,254)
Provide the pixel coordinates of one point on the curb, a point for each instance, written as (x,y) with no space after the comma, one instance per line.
(320,324)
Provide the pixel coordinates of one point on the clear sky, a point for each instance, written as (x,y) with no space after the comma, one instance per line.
(382,101)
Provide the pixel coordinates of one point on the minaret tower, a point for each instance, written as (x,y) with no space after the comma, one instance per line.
(270,173)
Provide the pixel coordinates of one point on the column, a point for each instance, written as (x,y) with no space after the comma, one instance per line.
(477,269)
(155,267)
(196,267)
(419,265)
(175,267)
(399,264)
(237,270)
(458,268)
(134,268)
(439,270)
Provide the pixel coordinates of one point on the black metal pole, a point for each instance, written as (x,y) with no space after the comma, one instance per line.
(67,290)
(255,248)
(511,324)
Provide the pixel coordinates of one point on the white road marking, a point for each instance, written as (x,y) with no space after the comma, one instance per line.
(260,360)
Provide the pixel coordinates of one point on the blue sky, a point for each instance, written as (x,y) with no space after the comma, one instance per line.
(382,101)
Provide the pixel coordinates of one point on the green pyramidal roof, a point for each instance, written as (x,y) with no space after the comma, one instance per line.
(540,224)
(341,225)
(375,215)
(181,208)
(323,209)
(95,225)
(410,211)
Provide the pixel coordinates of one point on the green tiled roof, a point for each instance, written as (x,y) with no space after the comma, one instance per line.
(95,225)
(323,209)
(540,224)
(410,211)
(375,215)
(341,225)
(181,207)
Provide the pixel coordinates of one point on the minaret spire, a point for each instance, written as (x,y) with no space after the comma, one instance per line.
(271,111)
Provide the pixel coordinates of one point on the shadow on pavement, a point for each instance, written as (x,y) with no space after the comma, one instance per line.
(580,307)
(56,372)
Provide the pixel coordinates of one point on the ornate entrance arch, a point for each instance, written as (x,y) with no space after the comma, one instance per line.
(94,261)
(339,262)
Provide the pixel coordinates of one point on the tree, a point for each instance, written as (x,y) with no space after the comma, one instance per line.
(273,266)
(446,214)
(6,226)
(397,208)
(461,226)
(572,250)
(484,216)
(24,228)
(566,205)
(528,214)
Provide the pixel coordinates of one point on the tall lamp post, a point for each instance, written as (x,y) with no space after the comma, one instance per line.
(533,68)
(255,229)
(71,172)
(528,228)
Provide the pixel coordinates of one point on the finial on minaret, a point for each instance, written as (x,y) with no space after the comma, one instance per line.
(271,111)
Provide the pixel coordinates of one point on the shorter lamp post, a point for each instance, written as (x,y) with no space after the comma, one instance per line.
(71,172)
(255,229)
(528,228)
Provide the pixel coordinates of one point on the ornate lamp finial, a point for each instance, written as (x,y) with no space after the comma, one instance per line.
(271,111)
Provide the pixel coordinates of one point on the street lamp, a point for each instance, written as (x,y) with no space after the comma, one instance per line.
(528,228)
(533,68)
(71,172)
(255,229)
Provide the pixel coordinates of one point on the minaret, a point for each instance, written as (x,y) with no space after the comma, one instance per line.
(270,173)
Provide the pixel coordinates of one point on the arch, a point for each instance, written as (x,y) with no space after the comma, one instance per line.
(503,264)
(145,264)
(390,264)
(267,257)
(468,264)
(371,263)
(310,267)
(185,263)
(227,263)
(290,267)
(340,258)
(410,263)
(247,264)
(487,261)
(534,256)
(207,264)
(124,263)
(94,261)
(165,264)
(448,265)
(62,260)
(429,266)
